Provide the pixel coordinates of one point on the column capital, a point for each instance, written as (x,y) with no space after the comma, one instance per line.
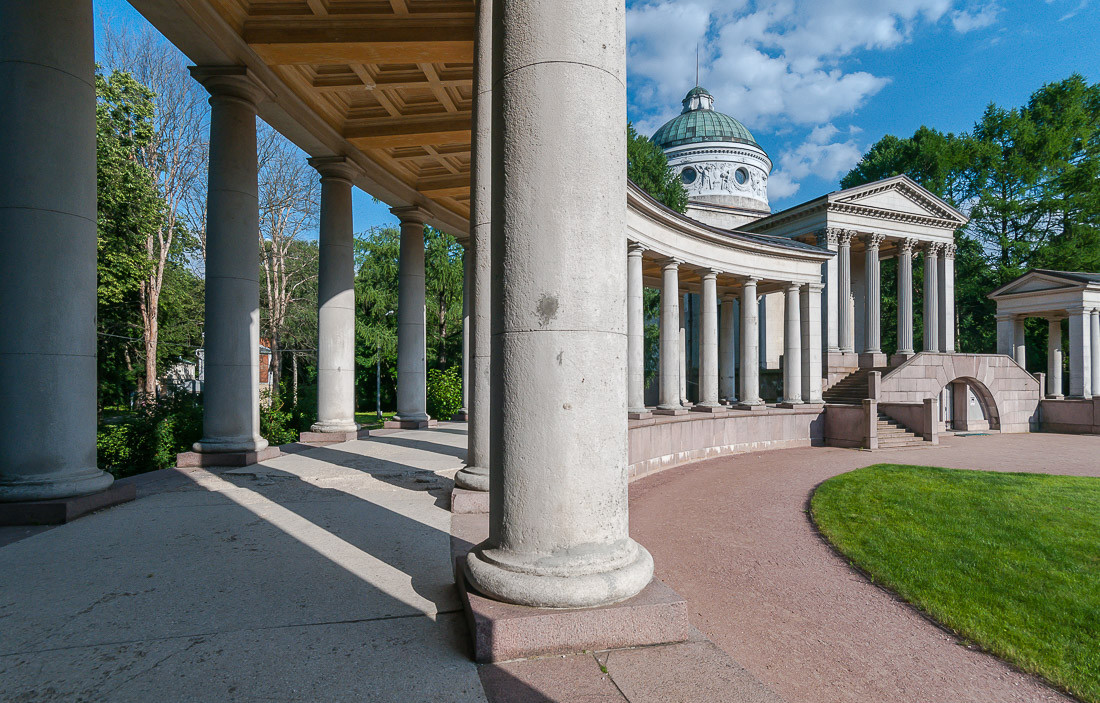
(710,274)
(844,237)
(750,280)
(335,167)
(932,249)
(411,215)
(1005,317)
(1079,310)
(828,236)
(634,249)
(949,250)
(231,81)
(669,263)
(814,287)
(908,244)
(873,240)
(793,287)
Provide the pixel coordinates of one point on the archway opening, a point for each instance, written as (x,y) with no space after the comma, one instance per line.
(966,404)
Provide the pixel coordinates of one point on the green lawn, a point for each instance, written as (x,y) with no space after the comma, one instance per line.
(1010,561)
(369,421)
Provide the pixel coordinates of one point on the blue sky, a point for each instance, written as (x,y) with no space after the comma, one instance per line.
(819,81)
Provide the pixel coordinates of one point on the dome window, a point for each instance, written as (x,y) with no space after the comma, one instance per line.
(689,175)
(741,175)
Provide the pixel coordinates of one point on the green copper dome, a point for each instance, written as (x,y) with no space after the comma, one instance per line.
(699,123)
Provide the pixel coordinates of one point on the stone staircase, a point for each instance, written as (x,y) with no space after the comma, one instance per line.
(851,390)
(892,435)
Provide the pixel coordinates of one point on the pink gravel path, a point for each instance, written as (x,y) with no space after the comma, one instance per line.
(732,536)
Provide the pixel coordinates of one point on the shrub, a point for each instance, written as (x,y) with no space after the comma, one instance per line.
(444,393)
(277,423)
(150,440)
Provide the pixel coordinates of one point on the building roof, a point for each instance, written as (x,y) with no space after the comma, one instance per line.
(1076,276)
(698,124)
(1038,281)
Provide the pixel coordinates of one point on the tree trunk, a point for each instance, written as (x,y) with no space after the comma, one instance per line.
(294,376)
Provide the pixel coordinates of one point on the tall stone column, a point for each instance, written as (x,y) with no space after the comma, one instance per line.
(1080,353)
(905,296)
(683,350)
(811,343)
(669,380)
(792,348)
(931,297)
(475,475)
(231,391)
(727,388)
(1006,340)
(830,239)
(1054,359)
(708,342)
(1019,349)
(946,280)
(750,345)
(336,299)
(1094,346)
(467,283)
(844,292)
(873,307)
(412,352)
(558,528)
(635,330)
(47,252)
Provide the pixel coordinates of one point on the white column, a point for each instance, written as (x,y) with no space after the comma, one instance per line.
(231,392)
(727,390)
(412,351)
(467,284)
(559,534)
(792,348)
(905,296)
(844,291)
(1019,350)
(931,297)
(1054,359)
(1094,346)
(475,475)
(811,342)
(830,239)
(873,306)
(1006,329)
(635,330)
(1080,354)
(947,299)
(683,349)
(750,344)
(48,252)
(669,381)
(335,299)
(708,341)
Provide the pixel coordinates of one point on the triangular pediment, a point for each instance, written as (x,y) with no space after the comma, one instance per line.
(899,195)
(1036,282)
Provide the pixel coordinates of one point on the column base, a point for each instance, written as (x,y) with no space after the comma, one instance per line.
(461,416)
(791,405)
(473,478)
(612,574)
(872,360)
(1055,397)
(754,407)
(60,486)
(61,510)
(501,631)
(639,415)
(396,424)
(467,502)
(188,460)
(670,411)
(709,409)
(321,437)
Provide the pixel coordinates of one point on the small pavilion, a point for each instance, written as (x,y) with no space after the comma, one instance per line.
(1055,296)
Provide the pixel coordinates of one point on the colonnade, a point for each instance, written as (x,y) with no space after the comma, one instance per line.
(1084,349)
(939,294)
(802,380)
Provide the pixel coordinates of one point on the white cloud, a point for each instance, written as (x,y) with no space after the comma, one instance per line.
(976,18)
(820,155)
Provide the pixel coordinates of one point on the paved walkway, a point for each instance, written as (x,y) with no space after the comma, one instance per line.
(732,536)
(320,576)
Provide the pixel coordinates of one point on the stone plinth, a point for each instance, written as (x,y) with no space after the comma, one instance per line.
(461,416)
(709,409)
(327,437)
(501,631)
(670,411)
(756,407)
(639,415)
(464,502)
(409,424)
(188,460)
(872,360)
(62,510)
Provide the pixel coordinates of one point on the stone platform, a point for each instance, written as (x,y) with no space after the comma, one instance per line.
(465,502)
(327,437)
(409,424)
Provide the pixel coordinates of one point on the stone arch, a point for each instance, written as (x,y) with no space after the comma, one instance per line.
(985,398)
